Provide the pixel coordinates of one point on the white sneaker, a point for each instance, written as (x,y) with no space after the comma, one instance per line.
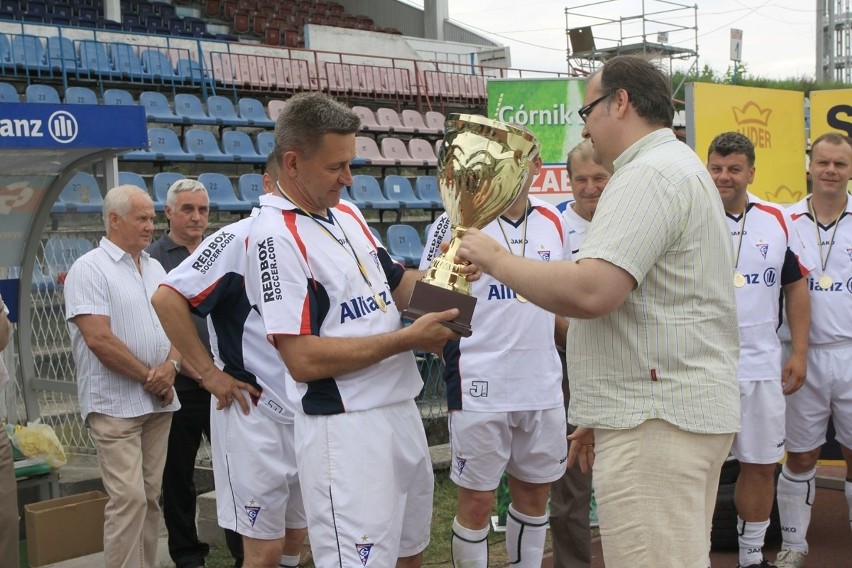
(790,559)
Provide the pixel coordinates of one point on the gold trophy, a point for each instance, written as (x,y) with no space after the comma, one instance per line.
(482,167)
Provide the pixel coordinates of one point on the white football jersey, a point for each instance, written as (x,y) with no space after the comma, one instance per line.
(770,256)
(212,280)
(576,228)
(831,307)
(304,278)
(510,362)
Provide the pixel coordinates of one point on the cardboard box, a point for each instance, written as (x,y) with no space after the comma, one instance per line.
(65,528)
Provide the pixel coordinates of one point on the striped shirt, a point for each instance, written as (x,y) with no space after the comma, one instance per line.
(4,374)
(670,351)
(105,282)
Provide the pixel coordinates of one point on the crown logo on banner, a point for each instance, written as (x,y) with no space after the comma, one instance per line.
(751,113)
(784,194)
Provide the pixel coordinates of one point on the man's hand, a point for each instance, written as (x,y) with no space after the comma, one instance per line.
(794,373)
(582,449)
(160,379)
(481,251)
(168,398)
(428,333)
(227,389)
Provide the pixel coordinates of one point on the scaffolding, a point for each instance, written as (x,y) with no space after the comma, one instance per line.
(834,40)
(659,31)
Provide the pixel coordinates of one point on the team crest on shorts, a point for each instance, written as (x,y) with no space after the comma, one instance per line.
(763,248)
(252,510)
(460,463)
(363,549)
(544,255)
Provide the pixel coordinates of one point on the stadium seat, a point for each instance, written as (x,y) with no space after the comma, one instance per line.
(388,117)
(367,153)
(265,143)
(399,188)
(221,192)
(365,189)
(191,70)
(61,252)
(347,195)
(118,97)
(28,52)
(253,113)
(239,147)
(422,150)
(41,282)
(8,93)
(376,234)
(251,188)
(61,54)
(125,61)
(404,241)
(80,96)
(157,64)
(435,120)
(157,108)
(203,146)
(82,195)
(161,184)
(164,145)
(438,144)
(394,149)
(189,110)
(94,61)
(368,120)
(221,109)
(274,107)
(426,188)
(41,94)
(413,119)
(132,178)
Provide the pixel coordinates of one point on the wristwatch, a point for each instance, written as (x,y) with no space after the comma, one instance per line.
(176,365)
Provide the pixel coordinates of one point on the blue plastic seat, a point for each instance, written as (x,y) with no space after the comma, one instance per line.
(8,93)
(5,49)
(61,54)
(82,194)
(404,241)
(161,184)
(157,108)
(163,145)
(41,94)
(221,109)
(80,96)
(239,146)
(250,188)
(253,113)
(94,61)
(41,282)
(118,97)
(399,188)
(132,178)
(191,70)
(189,110)
(265,143)
(426,188)
(125,60)
(221,193)
(203,146)
(365,189)
(158,65)
(28,52)
(61,252)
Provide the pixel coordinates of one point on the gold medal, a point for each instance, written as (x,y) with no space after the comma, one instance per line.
(739,280)
(825,281)
(380,302)
(521,299)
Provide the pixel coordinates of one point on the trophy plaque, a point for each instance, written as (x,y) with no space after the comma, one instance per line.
(482,167)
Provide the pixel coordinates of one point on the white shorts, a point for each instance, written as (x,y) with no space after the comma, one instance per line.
(367,485)
(761,440)
(529,444)
(827,392)
(254,469)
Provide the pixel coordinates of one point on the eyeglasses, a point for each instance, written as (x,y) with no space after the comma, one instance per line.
(584,112)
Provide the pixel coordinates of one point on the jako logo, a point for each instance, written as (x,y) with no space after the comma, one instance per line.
(62,126)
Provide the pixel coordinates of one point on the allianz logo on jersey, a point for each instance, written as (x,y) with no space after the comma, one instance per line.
(361,306)
(61,126)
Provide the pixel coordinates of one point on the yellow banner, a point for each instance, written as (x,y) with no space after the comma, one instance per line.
(831,111)
(772,119)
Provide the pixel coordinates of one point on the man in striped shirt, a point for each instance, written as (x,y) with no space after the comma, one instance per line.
(653,340)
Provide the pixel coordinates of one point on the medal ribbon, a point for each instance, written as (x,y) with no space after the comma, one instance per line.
(824,261)
(740,240)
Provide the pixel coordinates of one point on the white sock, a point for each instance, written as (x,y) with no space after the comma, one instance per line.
(795,498)
(289,561)
(751,536)
(847,489)
(470,547)
(525,539)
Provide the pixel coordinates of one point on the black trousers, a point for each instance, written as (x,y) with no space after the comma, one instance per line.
(179,494)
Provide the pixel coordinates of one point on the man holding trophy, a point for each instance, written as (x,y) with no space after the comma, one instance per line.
(504,381)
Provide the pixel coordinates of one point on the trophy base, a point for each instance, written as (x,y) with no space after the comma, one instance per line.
(427,298)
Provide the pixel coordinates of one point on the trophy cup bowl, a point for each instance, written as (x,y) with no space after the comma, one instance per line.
(482,167)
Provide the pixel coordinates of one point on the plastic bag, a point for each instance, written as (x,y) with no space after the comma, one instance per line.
(39,441)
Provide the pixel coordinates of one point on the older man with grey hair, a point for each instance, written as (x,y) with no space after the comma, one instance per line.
(126,369)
